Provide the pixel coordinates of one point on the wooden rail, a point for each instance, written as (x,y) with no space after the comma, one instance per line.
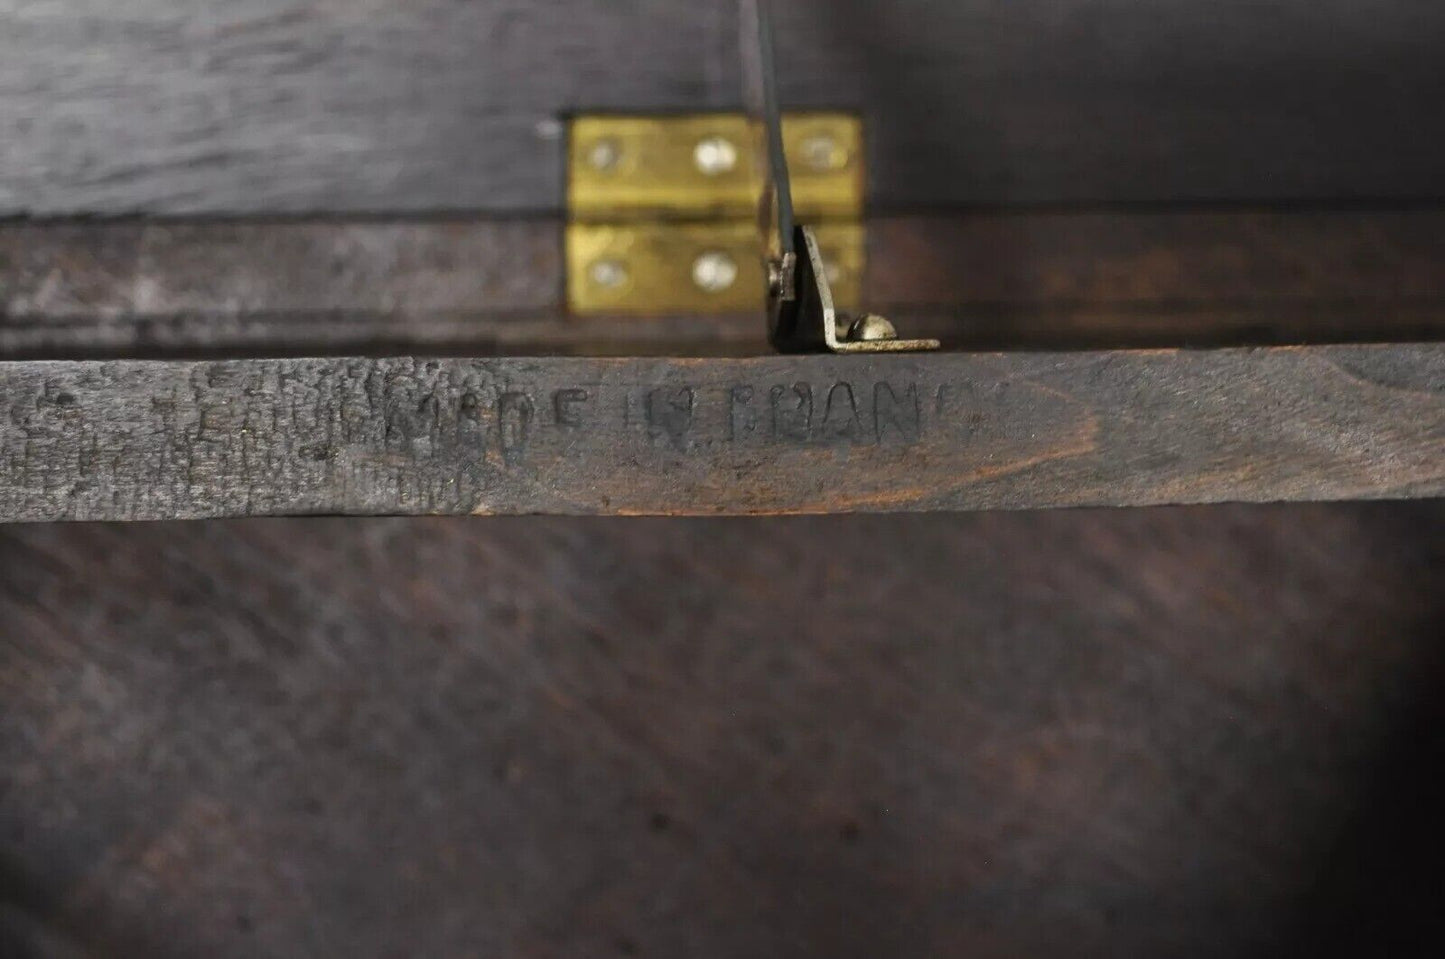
(466,286)
(129,440)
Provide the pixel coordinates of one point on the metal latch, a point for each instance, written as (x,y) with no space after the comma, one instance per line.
(663,210)
(804,315)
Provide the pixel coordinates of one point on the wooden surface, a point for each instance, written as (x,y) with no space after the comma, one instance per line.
(1185,732)
(266,106)
(468,286)
(1209,731)
(139,440)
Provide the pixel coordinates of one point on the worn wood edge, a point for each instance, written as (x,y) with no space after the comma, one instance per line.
(177,288)
(133,440)
(1157,258)
(58,271)
(112,272)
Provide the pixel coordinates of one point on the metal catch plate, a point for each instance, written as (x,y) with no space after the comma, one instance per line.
(690,268)
(704,167)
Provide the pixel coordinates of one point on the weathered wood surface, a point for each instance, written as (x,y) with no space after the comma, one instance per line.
(1181,732)
(86,270)
(1189,733)
(261,106)
(137,440)
(475,286)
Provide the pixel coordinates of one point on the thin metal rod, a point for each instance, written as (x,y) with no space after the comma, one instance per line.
(761,83)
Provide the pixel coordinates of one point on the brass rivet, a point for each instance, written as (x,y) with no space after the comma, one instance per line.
(824,154)
(715,156)
(871,329)
(608,274)
(715,272)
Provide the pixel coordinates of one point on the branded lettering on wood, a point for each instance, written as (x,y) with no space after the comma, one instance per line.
(119,440)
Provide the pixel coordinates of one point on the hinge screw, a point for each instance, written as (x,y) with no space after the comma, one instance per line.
(715,272)
(608,274)
(824,154)
(605,155)
(715,156)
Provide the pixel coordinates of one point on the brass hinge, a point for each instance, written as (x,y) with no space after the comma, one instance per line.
(663,210)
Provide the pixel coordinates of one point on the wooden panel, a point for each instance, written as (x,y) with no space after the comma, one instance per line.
(263,106)
(1162,278)
(134,440)
(1162,260)
(423,105)
(1086,101)
(1128,733)
(77,271)
(74,288)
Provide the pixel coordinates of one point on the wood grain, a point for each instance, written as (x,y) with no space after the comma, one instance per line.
(463,285)
(265,106)
(1183,732)
(1189,732)
(71,271)
(1160,259)
(137,440)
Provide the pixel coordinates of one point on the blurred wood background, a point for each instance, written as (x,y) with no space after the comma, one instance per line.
(1191,732)
(1186,732)
(303,106)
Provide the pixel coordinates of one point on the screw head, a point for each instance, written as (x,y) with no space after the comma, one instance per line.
(824,154)
(715,272)
(608,274)
(604,155)
(871,329)
(715,156)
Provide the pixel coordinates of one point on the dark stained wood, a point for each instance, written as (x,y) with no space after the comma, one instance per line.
(76,271)
(472,286)
(302,105)
(265,106)
(165,288)
(1162,278)
(1083,733)
(1179,732)
(1159,259)
(137,440)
